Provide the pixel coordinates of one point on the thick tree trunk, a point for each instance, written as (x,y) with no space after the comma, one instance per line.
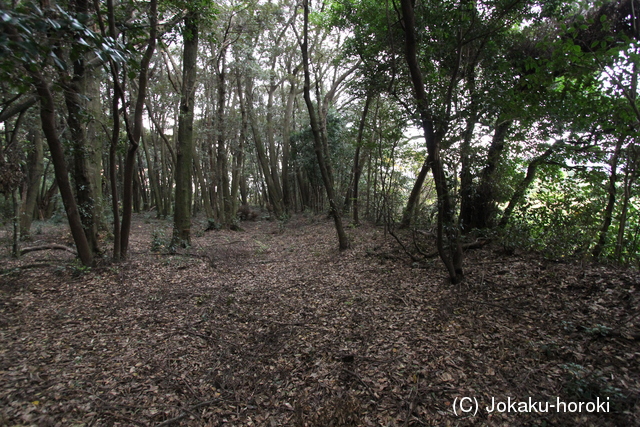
(48,119)
(273,158)
(76,96)
(484,207)
(184,149)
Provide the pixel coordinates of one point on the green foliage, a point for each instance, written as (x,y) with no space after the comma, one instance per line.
(584,385)
(303,153)
(159,241)
(561,217)
(79,270)
(32,38)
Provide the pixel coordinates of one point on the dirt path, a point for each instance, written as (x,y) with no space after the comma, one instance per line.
(273,326)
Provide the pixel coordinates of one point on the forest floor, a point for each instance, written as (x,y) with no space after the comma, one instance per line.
(273,326)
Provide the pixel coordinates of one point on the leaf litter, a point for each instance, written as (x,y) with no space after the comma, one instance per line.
(272,326)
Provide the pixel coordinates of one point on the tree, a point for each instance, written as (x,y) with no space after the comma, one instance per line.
(185,147)
(319,137)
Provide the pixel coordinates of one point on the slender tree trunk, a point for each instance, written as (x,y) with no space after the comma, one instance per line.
(226,208)
(275,197)
(629,178)
(611,202)
(134,136)
(522,187)
(115,137)
(286,146)
(448,235)
(357,165)
(184,149)
(318,139)
(238,181)
(35,163)
(203,185)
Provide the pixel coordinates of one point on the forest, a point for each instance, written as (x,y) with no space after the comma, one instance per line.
(319,213)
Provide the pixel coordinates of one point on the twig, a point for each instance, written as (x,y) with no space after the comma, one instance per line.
(404,248)
(24,267)
(45,247)
(361,381)
(187,412)
(412,405)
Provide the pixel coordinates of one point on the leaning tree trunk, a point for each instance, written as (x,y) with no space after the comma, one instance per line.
(522,187)
(184,149)
(134,136)
(448,236)
(318,141)
(48,119)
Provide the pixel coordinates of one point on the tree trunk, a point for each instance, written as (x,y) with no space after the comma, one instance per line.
(184,149)
(226,207)
(238,181)
(448,236)
(286,149)
(75,96)
(357,165)
(484,210)
(319,140)
(629,178)
(611,202)
(275,196)
(35,167)
(522,187)
(134,136)
(48,119)
(115,137)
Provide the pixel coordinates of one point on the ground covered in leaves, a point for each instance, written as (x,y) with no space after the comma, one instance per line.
(272,326)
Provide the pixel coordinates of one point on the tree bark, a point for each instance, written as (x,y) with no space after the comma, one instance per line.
(522,187)
(184,148)
(320,143)
(48,119)
(275,196)
(35,165)
(611,202)
(357,164)
(134,136)
(447,229)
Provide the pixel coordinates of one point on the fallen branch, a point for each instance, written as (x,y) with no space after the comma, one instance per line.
(24,267)
(187,412)
(47,247)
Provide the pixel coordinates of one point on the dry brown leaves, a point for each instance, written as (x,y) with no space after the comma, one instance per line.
(274,327)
